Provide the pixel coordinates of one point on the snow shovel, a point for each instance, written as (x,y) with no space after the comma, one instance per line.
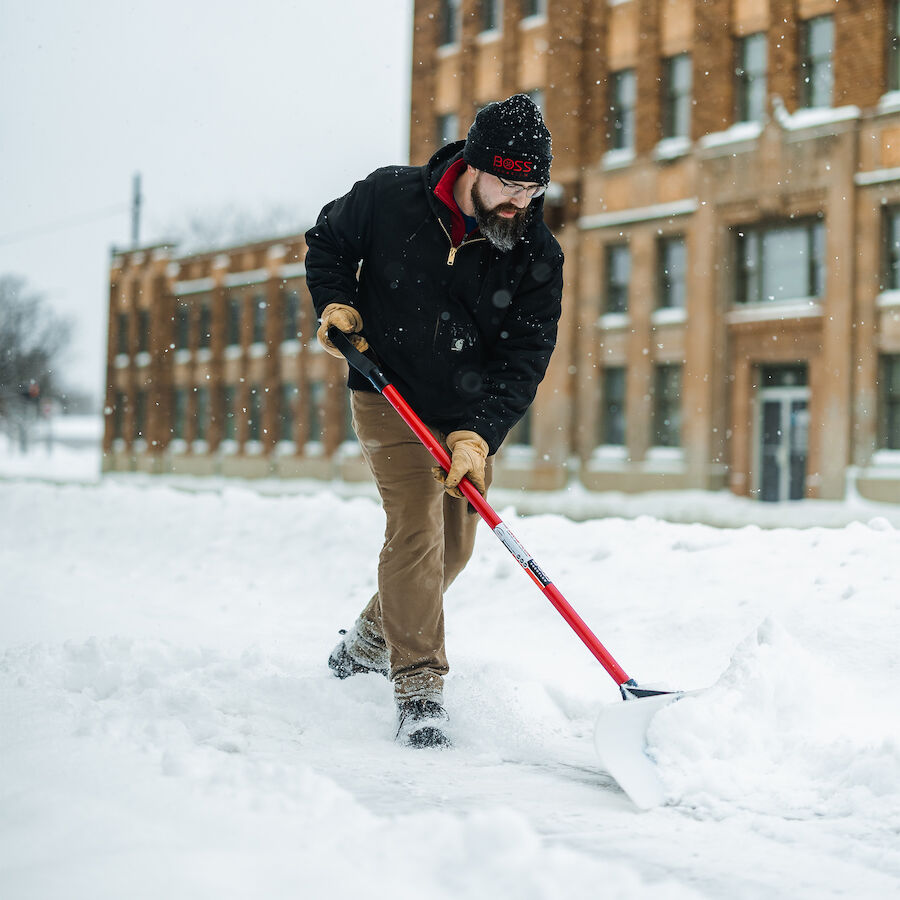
(620,732)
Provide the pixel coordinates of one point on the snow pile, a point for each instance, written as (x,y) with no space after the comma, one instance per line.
(782,734)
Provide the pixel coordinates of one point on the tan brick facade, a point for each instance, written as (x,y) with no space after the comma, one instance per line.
(698,382)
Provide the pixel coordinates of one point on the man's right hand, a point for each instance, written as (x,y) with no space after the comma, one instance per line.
(344,318)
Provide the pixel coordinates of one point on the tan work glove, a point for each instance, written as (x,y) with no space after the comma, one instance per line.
(344,318)
(468,454)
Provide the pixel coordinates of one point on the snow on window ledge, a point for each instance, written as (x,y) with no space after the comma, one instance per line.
(518,456)
(609,321)
(233,351)
(119,445)
(664,459)
(886,459)
(741,131)
(534,21)
(889,102)
(285,448)
(142,359)
(228,448)
(290,348)
(204,354)
(888,298)
(122,361)
(313,449)
(183,356)
(617,159)
(253,448)
(672,148)
(200,448)
(258,350)
(768,310)
(178,446)
(349,450)
(669,315)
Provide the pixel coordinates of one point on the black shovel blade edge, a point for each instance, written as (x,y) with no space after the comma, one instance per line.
(633,691)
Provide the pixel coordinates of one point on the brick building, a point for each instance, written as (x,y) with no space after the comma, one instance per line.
(727,191)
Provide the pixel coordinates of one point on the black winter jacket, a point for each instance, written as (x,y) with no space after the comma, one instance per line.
(465,336)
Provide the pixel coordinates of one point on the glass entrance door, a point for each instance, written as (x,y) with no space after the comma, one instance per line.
(784,433)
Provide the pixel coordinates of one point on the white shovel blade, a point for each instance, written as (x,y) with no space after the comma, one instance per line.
(620,737)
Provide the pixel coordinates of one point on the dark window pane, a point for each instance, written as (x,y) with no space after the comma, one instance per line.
(613,420)
(667,406)
(618,276)
(672,273)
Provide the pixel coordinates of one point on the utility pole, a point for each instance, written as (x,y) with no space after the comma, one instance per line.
(136,209)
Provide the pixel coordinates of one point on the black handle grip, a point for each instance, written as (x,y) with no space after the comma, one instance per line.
(359,361)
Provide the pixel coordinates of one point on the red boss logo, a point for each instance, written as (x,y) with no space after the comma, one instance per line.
(512,165)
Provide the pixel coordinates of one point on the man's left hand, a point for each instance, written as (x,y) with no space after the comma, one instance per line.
(468,454)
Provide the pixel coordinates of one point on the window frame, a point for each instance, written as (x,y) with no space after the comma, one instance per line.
(676,96)
(664,280)
(612,287)
(810,66)
(748,80)
(889,401)
(816,274)
(667,407)
(613,420)
(622,127)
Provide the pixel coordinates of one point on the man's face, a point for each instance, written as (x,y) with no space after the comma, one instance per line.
(501,219)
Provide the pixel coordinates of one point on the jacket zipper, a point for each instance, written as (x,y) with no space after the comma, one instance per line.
(454,250)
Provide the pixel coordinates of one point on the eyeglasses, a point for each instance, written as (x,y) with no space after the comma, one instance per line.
(511,189)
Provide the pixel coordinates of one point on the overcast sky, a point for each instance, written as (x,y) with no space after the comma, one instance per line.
(262,104)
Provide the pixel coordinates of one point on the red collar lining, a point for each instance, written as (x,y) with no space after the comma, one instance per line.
(444,193)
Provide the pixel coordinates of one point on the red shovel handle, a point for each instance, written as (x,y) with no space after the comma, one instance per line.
(370,370)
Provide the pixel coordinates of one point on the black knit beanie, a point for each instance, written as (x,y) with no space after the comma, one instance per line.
(510,139)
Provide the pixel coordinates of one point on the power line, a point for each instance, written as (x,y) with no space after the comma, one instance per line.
(72,222)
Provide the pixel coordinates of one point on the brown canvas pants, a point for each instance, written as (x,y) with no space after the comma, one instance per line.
(429,537)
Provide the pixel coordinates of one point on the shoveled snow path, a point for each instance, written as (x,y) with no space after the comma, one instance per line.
(167,722)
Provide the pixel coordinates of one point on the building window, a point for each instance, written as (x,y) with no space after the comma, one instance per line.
(229,432)
(119,415)
(893,49)
(612,425)
(816,70)
(622,97)
(667,406)
(677,96)
(182,326)
(890,280)
(534,8)
(315,412)
(672,278)
(233,322)
(179,413)
(201,412)
(447,129)
(449,22)
(143,331)
(259,319)
(140,414)
(750,78)
(290,315)
(618,274)
(537,97)
(122,342)
(780,262)
(490,15)
(286,409)
(254,413)
(889,407)
(520,433)
(205,325)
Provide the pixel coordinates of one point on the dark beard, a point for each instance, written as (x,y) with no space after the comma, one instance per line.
(502,233)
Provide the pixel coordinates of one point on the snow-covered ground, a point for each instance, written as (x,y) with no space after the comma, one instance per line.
(168,726)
